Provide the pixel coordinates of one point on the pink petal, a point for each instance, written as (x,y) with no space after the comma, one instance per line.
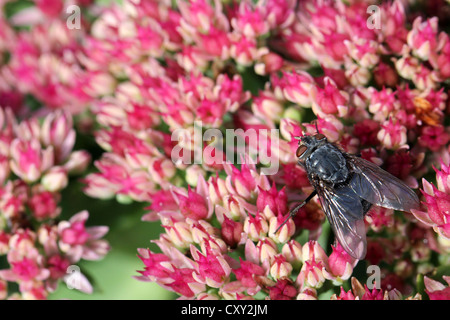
(97,232)
(80,216)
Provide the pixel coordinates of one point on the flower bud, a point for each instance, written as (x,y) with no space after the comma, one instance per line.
(232,204)
(313,251)
(212,268)
(267,249)
(246,273)
(292,251)
(357,75)
(77,162)
(192,174)
(311,274)
(231,232)
(180,234)
(244,181)
(307,294)
(256,227)
(217,189)
(269,63)
(55,179)
(215,243)
(293,113)
(57,131)
(97,186)
(273,200)
(297,87)
(193,205)
(406,66)
(267,106)
(284,233)
(340,265)
(280,268)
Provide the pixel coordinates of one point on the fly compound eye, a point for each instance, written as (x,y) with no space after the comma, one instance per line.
(319,136)
(301,150)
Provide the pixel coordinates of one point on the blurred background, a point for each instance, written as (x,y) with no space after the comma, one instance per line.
(112,277)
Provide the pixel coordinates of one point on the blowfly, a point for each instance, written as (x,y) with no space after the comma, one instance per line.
(347,187)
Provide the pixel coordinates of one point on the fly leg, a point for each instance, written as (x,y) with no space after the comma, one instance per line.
(297,207)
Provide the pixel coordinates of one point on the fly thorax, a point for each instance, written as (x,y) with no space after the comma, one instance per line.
(328,164)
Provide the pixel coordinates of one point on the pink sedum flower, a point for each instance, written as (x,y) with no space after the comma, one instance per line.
(272,202)
(442,177)
(180,234)
(251,21)
(248,273)
(437,203)
(383,104)
(158,267)
(423,37)
(330,100)
(385,75)
(434,137)
(437,290)
(29,160)
(340,265)
(283,290)
(81,242)
(139,72)
(43,205)
(243,181)
(311,274)
(440,62)
(280,268)
(296,87)
(193,206)
(212,270)
(392,135)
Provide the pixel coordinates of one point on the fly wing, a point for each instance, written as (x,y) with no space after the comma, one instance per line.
(379,187)
(345,213)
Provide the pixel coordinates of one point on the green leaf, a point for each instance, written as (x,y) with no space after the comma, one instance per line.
(12,7)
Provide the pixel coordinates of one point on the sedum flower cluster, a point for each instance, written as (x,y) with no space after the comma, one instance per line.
(163,85)
(40,247)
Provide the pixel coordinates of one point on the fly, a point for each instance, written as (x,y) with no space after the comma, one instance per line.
(347,187)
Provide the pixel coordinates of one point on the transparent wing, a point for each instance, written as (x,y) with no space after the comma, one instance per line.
(379,187)
(345,213)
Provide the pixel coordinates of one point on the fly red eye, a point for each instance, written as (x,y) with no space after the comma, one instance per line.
(319,136)
(301,150)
